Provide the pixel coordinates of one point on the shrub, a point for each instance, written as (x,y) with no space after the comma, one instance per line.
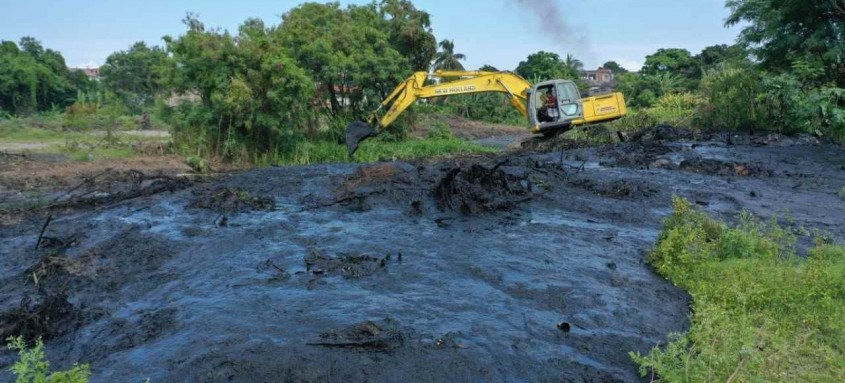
(33,367)
(760,312)
(730,94)
(676,109)
(440,130)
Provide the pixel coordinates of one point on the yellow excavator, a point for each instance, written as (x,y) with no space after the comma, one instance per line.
(551,107)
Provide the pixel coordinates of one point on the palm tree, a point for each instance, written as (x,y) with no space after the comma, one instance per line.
(446,58)
(574,65)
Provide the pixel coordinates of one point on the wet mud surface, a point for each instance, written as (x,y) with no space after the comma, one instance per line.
(520,267)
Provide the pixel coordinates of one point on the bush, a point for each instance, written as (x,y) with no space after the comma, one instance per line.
(675,109)
(440,130)
(760,312)
(731,98)
(108,115)
(253,98)
(488,107)
(739,97)
(33,367)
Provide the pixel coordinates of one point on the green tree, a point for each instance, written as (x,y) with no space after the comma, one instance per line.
(722,53)
(542,66)
(409,32)
(135,75)
(671,60)
(254,99)
(446,58)
(781,33)
(347,53)
(573,64)
(615,67)
(33,78)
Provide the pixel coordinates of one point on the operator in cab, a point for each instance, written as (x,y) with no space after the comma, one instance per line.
(549,102)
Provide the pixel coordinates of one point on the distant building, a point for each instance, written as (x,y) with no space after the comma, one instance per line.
(600,80)
(92,73)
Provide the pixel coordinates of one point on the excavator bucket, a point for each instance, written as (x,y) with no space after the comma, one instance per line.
(357,132)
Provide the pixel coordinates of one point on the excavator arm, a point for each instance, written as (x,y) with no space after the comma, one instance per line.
(415,88)
(571,110)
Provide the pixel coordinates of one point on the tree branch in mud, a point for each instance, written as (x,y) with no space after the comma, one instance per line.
(85,182)
(41,235)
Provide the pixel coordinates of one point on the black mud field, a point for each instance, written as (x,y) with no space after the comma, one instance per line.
(522,267)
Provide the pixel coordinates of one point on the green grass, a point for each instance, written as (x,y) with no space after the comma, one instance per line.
(761,313)
(32,134)
(377,150)
(100,153)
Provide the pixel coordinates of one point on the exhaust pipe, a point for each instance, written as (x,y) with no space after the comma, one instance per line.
(356,133)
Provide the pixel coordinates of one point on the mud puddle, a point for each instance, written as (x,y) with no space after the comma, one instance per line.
(524,267)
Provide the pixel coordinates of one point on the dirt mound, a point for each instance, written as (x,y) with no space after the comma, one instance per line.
(231,200)
(721,168)
(372,176)
(478,189)
(635,154)
(348,266)
(124,186)
(545,145)
(771,139)
(661,133)
(368,335)
(389,179)
(58,272)
(591,136)
(44,316)
(619,189)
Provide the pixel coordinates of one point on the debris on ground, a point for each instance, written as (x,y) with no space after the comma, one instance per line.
(662,133)
(618,189)
(477,189)
(715,167)
(230,200)
(99,194)
(634,154)
(367,335)
(42,315)
(369,180)
(349,266)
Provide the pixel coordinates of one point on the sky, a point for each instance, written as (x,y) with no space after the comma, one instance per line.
(499,33)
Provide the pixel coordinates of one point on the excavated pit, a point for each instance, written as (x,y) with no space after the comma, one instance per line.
(520,267)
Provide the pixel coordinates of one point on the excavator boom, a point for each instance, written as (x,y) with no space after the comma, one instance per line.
(415,88)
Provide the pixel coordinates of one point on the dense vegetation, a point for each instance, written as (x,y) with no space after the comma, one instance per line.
(263,93)
(34,79)
(760,313)
(786,73)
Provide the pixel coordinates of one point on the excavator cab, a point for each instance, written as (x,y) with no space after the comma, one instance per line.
(554,105)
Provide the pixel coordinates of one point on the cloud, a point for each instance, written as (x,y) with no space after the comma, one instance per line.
(631,65)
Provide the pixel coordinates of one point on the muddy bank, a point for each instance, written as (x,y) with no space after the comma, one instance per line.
(524,267)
